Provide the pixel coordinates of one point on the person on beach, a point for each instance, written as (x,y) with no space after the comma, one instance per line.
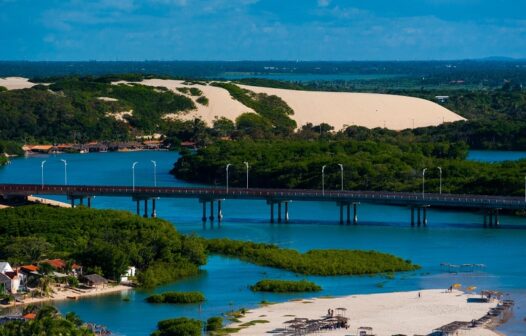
(419,295)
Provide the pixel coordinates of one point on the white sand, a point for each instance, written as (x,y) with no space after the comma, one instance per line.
(61,294)
(15,83)
(360,109)
(220,103)
(47,201)
(387,314)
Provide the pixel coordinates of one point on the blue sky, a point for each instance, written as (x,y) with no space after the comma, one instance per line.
(261,29)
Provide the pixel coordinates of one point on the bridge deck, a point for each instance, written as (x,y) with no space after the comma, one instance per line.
(207,193)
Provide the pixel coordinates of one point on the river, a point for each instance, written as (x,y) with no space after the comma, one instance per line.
(451,236)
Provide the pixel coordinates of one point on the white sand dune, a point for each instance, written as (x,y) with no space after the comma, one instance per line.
(388,314)
(16,83)
(220,103)
(361,109)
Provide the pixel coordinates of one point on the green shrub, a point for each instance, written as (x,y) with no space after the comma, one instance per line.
(177,297)
(214,323)
(202,100)
(179,327)
(285,286)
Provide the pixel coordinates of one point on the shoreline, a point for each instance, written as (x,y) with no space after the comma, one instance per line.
(62,294)
(410,313)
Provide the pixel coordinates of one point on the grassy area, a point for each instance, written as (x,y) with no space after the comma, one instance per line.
(285,286)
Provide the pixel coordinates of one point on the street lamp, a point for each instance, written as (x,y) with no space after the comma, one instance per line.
(133,175)
(227,167)
(65,171)
(246,165)
(42,172)
(341,170)
(423,182)
(440,188)
(323,179)
(154,173)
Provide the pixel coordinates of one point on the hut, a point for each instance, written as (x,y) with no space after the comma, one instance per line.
(95,281)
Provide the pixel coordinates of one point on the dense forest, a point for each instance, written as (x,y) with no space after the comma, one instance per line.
(104,241)
(369,165)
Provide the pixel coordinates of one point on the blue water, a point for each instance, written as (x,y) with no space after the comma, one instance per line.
(452,236)
(495,156)
(302,77)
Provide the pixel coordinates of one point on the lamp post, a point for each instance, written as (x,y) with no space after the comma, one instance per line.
(133,175)
(440,185)
(247,166)
(227,167)
(154,173)
(42,172)
(423,182)
(341,175)
(323,179)
(65,171)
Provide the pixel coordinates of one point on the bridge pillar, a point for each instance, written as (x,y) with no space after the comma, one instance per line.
(348,213)
(145,208)
(341,213)
(89,202)
(271,203)
(81,200)
(491,218)
(279,212)
(355,218)
(424,209)
(485,217)
(219,211)
(412,216)
(211,210)
(497,222)
(204,211)
(419,222)
(287,212)
(154,211)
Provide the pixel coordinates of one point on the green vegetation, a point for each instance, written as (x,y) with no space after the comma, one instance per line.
(103,241)
(178,327)
(10,148)
(387,162)
(190,91)
(70,110)
(202,100)
(177,297)
(271,108)
(47,322)
(214,324)
(285,286)
(314,262)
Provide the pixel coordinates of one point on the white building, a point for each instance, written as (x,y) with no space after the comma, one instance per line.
(130,272)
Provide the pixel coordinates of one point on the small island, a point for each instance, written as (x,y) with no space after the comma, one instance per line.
(285,286)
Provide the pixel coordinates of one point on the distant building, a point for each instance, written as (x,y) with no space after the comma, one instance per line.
(5,267)
(95,280)
(442,99)
(130,272)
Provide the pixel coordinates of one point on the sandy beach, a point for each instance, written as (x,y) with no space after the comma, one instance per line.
(16,83)
(388,314)
(61,293)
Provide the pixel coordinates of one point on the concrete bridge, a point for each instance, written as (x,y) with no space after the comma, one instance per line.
(278,199)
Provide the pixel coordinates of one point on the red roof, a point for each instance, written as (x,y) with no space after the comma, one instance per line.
(55,263)
(30,316)
(29,268)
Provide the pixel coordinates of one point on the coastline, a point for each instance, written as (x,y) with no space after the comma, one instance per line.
(61,294)
(410,313)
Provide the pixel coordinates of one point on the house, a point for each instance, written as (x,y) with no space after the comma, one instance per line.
(10,281)
(95,280)
(130,272)
(5,267)
(60,265)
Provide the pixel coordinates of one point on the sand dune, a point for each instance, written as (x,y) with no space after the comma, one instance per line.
(220,103)
(361,109)
(388,314)
(15,83)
